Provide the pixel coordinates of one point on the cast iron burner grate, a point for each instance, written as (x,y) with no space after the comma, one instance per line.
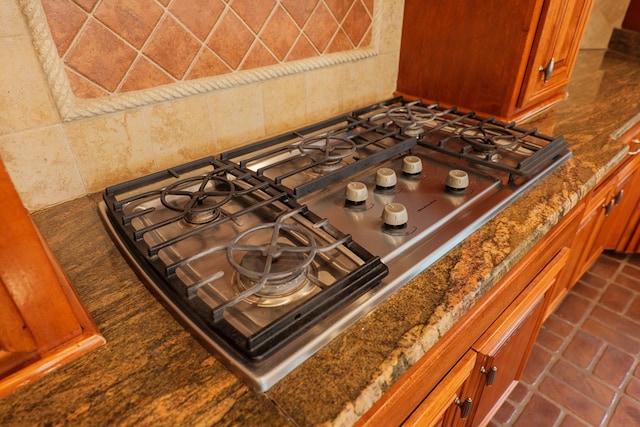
(238,257)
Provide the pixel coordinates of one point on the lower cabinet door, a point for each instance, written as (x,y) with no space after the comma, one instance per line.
(445,405)
(504,349)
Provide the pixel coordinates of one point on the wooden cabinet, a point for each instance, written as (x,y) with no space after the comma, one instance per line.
(504,349)
(43,324)
(623,235)
(555,48)
(610,218)
(511,60)
(447,404)
(501,325)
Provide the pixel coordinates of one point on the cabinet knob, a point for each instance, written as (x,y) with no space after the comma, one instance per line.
(491,374)
(548,70)
(465,406)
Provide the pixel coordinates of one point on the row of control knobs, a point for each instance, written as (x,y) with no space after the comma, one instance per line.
(395,215)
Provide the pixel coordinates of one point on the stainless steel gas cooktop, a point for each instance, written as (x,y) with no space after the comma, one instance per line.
(267,252)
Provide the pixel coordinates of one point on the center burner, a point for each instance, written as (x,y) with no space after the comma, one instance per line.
(327,151)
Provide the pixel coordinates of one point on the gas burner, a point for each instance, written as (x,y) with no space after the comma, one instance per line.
(276,292)
(489,139)
(411,118)
(198,198)
(275,262)
(327,150)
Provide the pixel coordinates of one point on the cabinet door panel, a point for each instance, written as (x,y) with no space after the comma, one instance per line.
(441,404)
(504,349)
(555,48)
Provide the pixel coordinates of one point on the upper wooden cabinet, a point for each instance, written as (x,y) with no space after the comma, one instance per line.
(507,59)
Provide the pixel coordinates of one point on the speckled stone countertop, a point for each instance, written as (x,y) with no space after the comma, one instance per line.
(151,371)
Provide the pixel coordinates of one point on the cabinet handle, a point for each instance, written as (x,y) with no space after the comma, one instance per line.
(633,153)
(491,374)
(465,406)
(618,197)
(548,69)
(608,207)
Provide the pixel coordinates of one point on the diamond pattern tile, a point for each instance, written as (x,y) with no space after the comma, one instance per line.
(133,20)
(143,75)
(231,50)
(112,46)
(280,33)
(254,13)
(67,18)
(199,16)
(100,56)
(321,27)
(87,5)
(300,11)
(172,47)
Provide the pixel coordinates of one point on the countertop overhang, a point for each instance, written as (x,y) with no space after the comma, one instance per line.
(151,371)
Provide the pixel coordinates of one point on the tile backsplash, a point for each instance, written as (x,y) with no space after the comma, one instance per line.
(115,46)
(67,130)
(71,125)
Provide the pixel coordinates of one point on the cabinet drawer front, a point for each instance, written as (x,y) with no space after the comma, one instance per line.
(443,397)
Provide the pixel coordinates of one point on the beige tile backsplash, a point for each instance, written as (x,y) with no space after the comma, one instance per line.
(51,161)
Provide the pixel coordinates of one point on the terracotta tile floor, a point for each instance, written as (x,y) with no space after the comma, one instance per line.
(585,366)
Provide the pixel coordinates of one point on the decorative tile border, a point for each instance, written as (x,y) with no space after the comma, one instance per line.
(72,107)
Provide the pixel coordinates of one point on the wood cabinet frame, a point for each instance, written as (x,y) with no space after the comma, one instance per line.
(43,323)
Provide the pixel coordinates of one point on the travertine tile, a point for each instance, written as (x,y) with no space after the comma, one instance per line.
(324,92)
(111,148)
(25,102)
(387,38)
(370,80)
(180,130)
(41,166)
(237,116)
(13,22)
(284,103)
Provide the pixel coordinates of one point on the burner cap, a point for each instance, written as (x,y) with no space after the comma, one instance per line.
(327,150)
(198,198)
(411,118)
(273,267)
(489,139)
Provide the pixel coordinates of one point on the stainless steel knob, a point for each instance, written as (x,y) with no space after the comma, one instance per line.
(395,215)
(356,192)
(457,180)
(386,178)
(411,165)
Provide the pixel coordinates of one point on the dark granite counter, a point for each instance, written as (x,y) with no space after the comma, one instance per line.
(153,372)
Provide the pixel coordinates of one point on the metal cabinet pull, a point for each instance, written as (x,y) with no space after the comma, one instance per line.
(465,406)
(608,207)
(491,374)
(618,197)
(548,70)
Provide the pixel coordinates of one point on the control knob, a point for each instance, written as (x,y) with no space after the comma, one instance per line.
(411,165)
(457,180)
(385,179)
(395,216)
(356,193)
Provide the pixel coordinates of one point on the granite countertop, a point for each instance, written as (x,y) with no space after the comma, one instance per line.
(151,371)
